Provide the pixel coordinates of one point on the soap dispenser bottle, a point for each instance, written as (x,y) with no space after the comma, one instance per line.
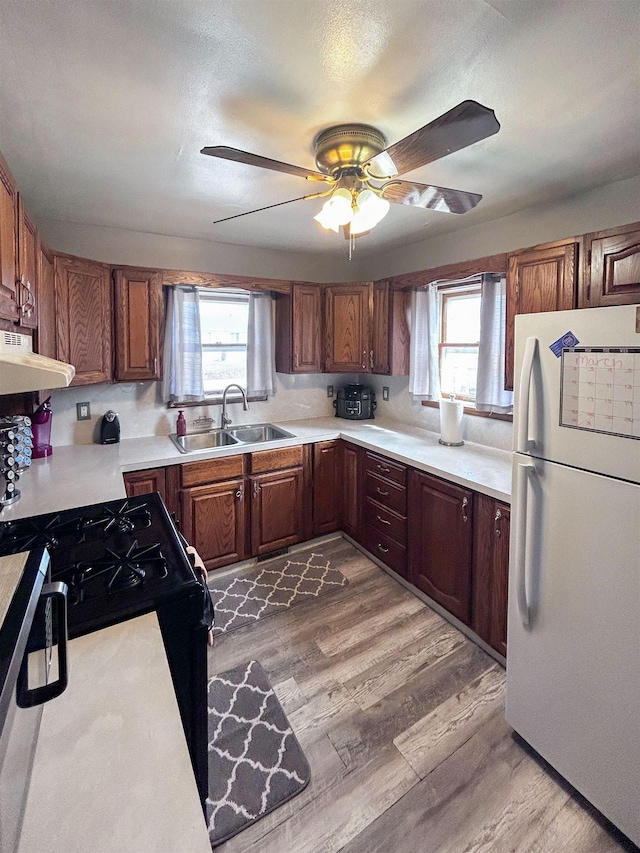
(181,424)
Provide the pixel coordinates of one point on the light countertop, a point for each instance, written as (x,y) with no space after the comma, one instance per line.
(112,772)
(78,475)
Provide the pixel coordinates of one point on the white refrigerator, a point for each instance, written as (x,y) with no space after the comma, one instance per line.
(573,659)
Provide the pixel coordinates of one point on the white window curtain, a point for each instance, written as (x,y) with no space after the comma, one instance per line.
(261,350)
(490,393)
(424,377)
(182,347)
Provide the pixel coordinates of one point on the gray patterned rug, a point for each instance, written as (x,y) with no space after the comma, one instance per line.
(275,586)
(255,761)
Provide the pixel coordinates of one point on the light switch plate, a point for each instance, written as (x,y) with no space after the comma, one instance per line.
(330,391)
(385,392)
(83,411)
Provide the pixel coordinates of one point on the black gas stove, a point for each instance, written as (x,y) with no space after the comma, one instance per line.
(121,559)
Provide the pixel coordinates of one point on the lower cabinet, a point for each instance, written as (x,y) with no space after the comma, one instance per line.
(351,491)
(327,483)
(491,571)
(385,511)
(276,510)
(440,541)
(214,521)
(144,482)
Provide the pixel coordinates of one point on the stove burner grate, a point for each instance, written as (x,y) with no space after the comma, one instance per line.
(121,519)
(115,572)
(32,532)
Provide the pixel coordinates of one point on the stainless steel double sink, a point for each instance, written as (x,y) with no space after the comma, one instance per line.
(247,434)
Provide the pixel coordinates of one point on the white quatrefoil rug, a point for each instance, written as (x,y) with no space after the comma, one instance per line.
(255,761)
(274,587)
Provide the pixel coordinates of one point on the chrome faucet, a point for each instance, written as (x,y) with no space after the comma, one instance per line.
(225,419)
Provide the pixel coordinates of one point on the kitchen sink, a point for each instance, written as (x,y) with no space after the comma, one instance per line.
(250,433)
(203,440)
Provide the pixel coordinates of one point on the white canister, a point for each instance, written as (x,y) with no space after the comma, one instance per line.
(451,412)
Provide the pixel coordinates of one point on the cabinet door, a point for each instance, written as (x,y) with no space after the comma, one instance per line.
(8,244)
(538,279)
(45,338)
(144,482)
(326,487)
(83,313)
(352,491)
(611,274)
(276,510)
(440,538)
(138,313)
(390,330)
(490,571)
(28,251)
(348,333)
(299,325)
(214,521)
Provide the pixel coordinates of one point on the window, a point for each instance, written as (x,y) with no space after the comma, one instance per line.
(459,313)
(224,317)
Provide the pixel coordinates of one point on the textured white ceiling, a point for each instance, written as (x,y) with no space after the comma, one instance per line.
(105,104)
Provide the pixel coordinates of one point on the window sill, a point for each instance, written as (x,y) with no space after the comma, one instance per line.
(470,411)
(214,401)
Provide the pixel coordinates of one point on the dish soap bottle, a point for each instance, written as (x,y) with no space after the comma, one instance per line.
(181,425)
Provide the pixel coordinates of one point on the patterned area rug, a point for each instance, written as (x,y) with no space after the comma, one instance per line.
(274,587)
(255,761)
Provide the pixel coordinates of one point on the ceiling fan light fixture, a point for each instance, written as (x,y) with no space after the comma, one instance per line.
(336,211)
(369,210)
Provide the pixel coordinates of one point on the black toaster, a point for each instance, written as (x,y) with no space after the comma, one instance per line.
(355,402)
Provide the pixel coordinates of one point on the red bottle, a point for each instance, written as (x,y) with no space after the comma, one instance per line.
(181,425)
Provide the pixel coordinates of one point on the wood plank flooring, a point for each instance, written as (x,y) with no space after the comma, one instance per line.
(401,719)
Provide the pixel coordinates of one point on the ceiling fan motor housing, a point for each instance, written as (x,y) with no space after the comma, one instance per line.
(347,146)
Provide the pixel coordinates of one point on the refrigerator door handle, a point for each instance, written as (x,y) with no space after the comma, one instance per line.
(523,471)
(524,393)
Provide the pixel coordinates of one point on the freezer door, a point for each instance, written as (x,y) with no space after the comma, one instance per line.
(537,411)
(573,664)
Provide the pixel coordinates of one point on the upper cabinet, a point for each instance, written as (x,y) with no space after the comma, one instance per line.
(138,320)
(348,328)
(611,267)
(390,329)
(45,338)
(83,315)
(299,329)
(27,278)
(8,244)
(539,279)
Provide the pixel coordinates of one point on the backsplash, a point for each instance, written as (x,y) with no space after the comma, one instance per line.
(142,412)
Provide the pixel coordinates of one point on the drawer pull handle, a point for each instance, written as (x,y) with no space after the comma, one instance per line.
(380,492)
(384,469)
(384,550)
(496,519)
(465,504)
(239,493)
(383,520)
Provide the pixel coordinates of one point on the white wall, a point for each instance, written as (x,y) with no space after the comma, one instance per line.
(137,248)
(600,208)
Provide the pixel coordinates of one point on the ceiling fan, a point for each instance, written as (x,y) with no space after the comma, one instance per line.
(361,172)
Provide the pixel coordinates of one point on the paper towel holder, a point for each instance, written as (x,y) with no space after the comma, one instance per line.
(451,443)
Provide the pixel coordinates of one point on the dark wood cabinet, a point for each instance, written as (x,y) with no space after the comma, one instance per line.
(8,244)
(83,315)
(440,541)
(45,337)
(276,510)
(539,279)
(390,330)
(610,272)
(348,328)
(351,490)
(144,482)
(138,320)
(27,284)
(385,511)
(327,484)
(299,329)
(214,521)
(490,571)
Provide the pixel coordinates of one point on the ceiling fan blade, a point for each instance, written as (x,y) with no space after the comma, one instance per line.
(429,197)
(268,207)
(238,156)
(463,125)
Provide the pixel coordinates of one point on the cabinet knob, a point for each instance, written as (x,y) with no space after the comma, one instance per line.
(239,493)
(465,504)
(256,489)
(496,519)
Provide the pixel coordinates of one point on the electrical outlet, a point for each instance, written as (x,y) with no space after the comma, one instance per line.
(330,391)
(385,392)
(83,411)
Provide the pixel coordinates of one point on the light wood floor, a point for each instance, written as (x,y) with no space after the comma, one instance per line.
(401,719)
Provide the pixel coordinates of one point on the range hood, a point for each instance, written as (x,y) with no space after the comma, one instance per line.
(23,370)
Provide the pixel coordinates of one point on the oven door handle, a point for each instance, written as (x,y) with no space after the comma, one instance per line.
(58,593)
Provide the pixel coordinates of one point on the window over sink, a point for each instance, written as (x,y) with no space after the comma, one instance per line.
(224,318)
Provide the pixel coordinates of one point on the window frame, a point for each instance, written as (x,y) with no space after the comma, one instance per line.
(447,292)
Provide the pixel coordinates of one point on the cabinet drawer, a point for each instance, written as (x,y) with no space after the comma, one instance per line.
(388,494)
(211,470)
(387,522)
(386,550)
(385,468)
(272,460)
